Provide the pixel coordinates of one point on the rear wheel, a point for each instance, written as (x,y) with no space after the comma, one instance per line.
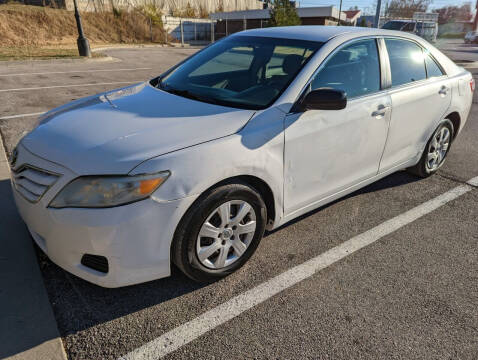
(220,232)
(435,151)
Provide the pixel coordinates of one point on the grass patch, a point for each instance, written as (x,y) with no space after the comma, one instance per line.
(35,53)
(44,27)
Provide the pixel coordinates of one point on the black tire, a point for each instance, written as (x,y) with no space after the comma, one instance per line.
(421,169)
(183,250)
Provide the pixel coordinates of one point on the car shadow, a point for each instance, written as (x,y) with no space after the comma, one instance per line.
(397,179)
(93,305)
(79,305)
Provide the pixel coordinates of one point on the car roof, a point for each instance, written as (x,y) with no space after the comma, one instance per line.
(320,33)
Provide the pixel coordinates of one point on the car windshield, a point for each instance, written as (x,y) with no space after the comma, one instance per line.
(240,71)
(394,25)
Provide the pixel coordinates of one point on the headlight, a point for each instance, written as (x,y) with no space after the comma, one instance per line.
(107,191)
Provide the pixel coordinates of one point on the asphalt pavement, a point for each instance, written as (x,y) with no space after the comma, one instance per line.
(413,293)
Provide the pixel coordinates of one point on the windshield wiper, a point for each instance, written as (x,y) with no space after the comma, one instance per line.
(190,95)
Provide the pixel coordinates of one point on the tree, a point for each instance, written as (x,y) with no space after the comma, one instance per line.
(454,13)
(283,14)
(405,8)
(189,11)
(363,22)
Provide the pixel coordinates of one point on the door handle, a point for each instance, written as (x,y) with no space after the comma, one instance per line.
(443,90)
(380,112)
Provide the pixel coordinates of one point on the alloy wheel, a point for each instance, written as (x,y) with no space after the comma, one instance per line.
(438,148)
(226,234)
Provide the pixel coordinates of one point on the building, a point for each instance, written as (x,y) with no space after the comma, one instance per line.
(457,28)
(234,21)
(352,16)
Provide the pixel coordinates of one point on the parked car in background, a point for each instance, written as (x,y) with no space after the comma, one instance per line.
(425,29)
(471,37)
(249,133)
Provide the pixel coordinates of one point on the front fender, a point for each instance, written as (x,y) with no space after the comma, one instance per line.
(257,150)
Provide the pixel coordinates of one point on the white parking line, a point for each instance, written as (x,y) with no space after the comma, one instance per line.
(20,115)
(63,86)
(473,182)
(183,334)
(75,71)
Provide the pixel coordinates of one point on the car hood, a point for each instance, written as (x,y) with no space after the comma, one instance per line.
(113,132)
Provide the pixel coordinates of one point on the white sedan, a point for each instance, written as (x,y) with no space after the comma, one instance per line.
(257,129)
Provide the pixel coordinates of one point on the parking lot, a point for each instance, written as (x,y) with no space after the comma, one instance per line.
(398,260)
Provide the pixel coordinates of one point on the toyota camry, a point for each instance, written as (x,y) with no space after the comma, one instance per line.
(265,125)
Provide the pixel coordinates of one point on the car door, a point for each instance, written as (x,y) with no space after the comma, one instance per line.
(327,151)
(421,95)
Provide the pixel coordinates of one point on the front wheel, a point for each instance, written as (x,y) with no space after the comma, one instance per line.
(435,151)
(220,232)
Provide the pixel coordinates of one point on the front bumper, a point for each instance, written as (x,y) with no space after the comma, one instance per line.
(135,238)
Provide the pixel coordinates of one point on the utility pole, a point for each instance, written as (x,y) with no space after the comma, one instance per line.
(475,22)
(182,32)
(377,14)
(340,11)
(82,42)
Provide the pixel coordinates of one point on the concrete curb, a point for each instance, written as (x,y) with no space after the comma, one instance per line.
(129,46)
(471,65)
(28,328)
(60,61)
(147,46)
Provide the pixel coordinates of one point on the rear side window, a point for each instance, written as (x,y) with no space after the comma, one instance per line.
(407,62)
(354,69)
(433,70)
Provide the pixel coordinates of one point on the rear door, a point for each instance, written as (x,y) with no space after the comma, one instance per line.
(420,94)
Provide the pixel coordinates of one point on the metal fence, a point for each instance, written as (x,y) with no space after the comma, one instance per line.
(225,27)
(189,30)
(204,31)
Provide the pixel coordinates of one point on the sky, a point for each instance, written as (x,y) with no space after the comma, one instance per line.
(367,6)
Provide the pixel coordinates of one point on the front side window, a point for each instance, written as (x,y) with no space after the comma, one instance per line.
(241,71)
(407,62)
(354,69)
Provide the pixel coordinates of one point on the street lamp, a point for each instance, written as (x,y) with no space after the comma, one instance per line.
(82,42)
(340,11)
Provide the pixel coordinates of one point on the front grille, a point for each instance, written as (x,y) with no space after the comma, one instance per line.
(32,183)
(95,262)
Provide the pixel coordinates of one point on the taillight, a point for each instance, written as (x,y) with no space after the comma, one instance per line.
(472,85)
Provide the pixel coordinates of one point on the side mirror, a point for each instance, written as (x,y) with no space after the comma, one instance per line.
(324,99)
